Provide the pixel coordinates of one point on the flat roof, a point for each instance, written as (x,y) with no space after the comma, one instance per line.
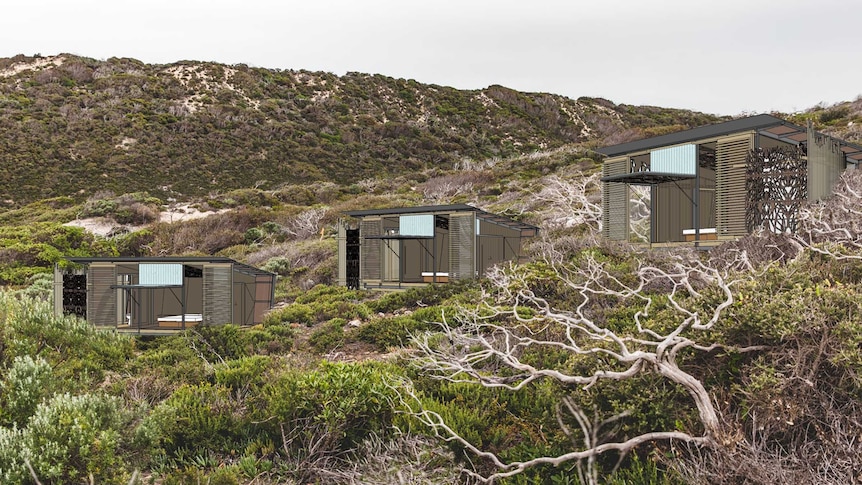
(242,267)
(413,210)
(767,125)
(488,216)
(708,131)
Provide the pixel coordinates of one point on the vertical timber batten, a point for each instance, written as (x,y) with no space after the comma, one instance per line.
(825,164)
(101,298)
(731,157)
(462,245)
(615,201)
(217,293)
(370,253)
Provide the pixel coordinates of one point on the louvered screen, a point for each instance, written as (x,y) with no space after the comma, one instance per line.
(217,295)
(730,169)
(615,202)
(462,246)
(825,164)
(101,298)
(370,249)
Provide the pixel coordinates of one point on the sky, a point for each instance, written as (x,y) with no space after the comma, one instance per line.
(727,57)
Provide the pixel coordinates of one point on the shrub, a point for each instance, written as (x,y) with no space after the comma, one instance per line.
(341,404)
(388,332)
(27,382)
(68,440)
(329,336)
(242,373)
(294,313)
(194,419)
(279,265)
(75,349)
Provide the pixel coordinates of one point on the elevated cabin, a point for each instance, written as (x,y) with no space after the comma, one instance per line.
(160,295)
(414,246)
(720,182)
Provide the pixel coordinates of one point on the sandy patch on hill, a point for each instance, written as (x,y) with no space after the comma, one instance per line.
(36,64)
(105,226)
(185,212)
(102,226)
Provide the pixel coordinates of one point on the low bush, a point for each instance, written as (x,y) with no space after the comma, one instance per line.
(27,382)
(341,404)
(329,336)
(293,313)
(69,439)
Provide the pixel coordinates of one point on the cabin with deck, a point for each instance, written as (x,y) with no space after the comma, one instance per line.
(715,183)
(414,246)
(162,295)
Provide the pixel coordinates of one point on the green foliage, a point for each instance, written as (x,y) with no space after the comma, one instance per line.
(242,373)
(35,248)
(327,302)
(279,265)
(189,357)
(194,419)
(389,331)
(74,348)
(421,296)
(329,336)
(345,403)
(27,382)
(68,439)
(294,313)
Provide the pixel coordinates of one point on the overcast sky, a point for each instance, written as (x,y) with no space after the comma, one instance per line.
(721,57)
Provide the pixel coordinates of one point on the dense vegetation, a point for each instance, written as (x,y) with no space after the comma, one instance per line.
(73,126)
(316,394)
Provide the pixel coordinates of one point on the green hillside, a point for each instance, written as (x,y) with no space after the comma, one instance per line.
(73,125)
(745,360)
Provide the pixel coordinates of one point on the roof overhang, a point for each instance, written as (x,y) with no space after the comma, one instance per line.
(765,125)
(702,132)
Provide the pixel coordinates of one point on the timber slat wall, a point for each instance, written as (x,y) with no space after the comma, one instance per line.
(825,164)
(217,286)
(370,249)
(615,202)
(462,246)
(101,298)
(730,178)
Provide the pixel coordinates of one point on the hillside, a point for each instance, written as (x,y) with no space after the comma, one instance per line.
(74,125)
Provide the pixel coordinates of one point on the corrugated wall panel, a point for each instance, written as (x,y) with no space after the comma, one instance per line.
(101,298)
(370,251)
(217,289)
(731,155)
(680,159)
(615,202)
(825,164)
(462,246)
(160,274)
(416,225)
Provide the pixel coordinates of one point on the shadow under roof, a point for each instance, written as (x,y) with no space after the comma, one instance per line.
(646,178)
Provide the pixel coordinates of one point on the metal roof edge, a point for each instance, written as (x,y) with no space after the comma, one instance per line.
(167,259)
(440,208)
(706,131)
(411,210)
